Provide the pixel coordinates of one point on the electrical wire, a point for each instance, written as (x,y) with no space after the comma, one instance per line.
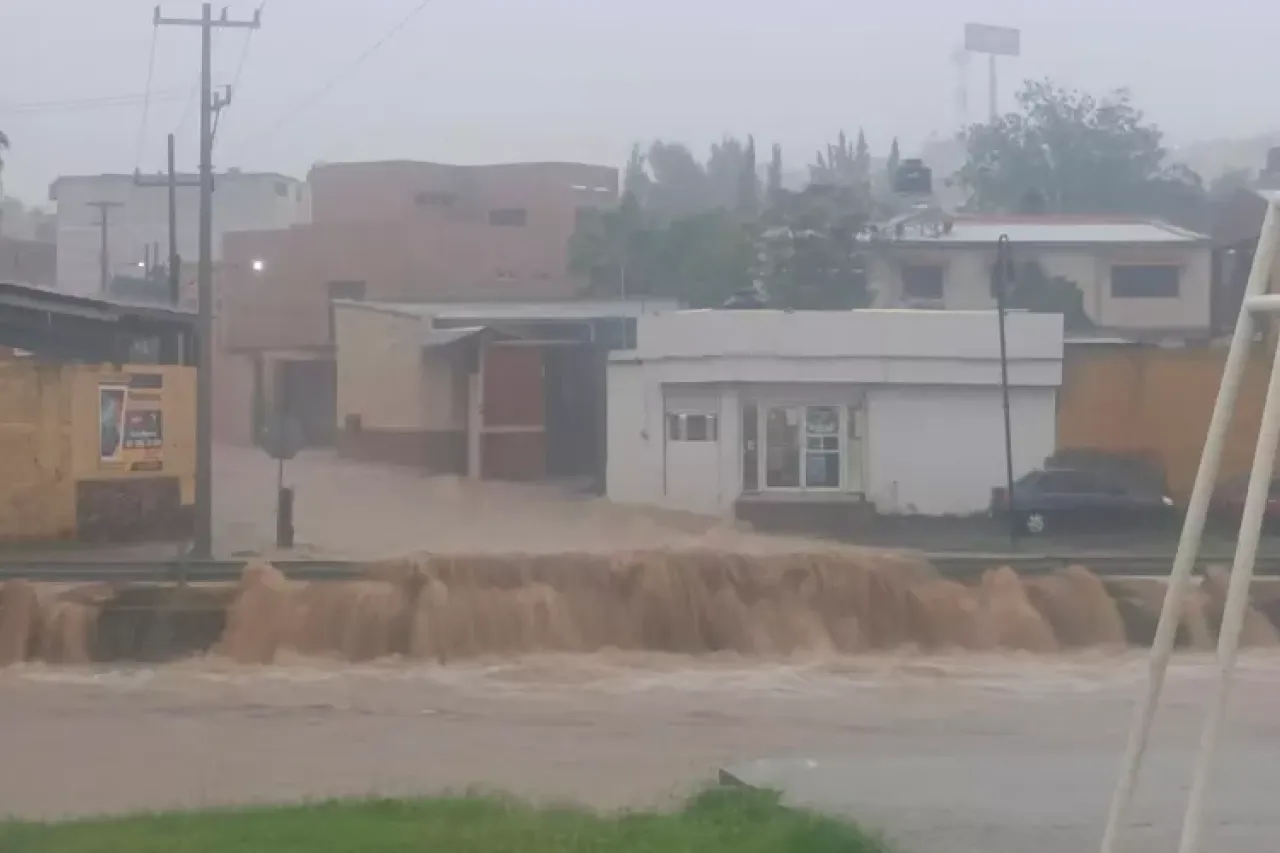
(146,100)
(72,104)
(244,52)
(309,100)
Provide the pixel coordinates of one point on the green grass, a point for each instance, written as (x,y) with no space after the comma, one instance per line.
(720,819)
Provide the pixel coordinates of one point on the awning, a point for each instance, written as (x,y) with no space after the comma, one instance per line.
(434,338)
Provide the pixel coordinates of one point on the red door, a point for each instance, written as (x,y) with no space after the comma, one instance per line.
(513,428)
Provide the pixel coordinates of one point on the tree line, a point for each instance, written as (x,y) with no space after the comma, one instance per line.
(710,230)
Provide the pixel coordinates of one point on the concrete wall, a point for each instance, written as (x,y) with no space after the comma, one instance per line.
(411,402)
(940,451)
(1157,401)
(967,280)
(28,261)
(37,491)
(49,442)
(381,224)
(241,201)
(927,383)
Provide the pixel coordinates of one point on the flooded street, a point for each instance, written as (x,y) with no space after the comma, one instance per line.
(611,731)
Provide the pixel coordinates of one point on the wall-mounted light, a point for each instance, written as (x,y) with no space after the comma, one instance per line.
(258,265)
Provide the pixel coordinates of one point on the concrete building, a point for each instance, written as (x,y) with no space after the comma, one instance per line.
(242,201)
(497,390)
(896,412)
(398,232)
(1138,277)
(28,261)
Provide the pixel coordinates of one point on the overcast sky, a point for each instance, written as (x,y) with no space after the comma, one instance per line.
(491,80)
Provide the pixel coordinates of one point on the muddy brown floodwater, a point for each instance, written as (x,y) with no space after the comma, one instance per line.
(608,730)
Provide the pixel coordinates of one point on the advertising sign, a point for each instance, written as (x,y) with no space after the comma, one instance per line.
(130,426)
(985,38)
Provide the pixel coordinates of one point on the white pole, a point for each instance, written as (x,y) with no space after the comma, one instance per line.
(1192,529)
(1255,504)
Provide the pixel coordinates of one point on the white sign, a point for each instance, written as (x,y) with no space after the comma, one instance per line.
(985,38)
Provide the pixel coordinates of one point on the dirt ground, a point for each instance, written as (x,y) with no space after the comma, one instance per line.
(615,731)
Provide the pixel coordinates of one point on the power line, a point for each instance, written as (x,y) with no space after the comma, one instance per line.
(244,52)
(235,80)
(72,104)
(309,100)
(146,99)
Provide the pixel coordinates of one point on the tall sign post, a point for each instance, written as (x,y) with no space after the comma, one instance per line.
(994,42)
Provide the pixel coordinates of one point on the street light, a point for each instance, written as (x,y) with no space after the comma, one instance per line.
(1004,273)
(258,265)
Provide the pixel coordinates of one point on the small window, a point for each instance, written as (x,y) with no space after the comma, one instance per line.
(282,189)
(435,198)
(685,427)
(515,217)
(1144,281)
(922,281)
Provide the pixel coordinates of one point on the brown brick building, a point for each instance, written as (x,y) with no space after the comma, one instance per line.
(400,231)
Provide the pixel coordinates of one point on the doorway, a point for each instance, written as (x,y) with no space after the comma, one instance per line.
(573,394)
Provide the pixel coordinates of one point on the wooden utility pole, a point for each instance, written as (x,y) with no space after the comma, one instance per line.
(203,544)
(104,252)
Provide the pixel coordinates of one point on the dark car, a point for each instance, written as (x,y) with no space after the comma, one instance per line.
(1228,503)
(1082,500)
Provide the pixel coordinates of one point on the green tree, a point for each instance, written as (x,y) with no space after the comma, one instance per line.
(748,195)
(808,249)
(895,159)
(636,180)
(1031,289)
(1066,151)
(680,186)
(775,174)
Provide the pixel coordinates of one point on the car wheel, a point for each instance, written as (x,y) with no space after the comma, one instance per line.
(1034,523)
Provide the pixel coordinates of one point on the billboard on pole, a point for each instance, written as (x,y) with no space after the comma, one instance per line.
(999,41)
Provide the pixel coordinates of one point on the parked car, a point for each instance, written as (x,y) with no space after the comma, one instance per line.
(1228,503)
(1072,499)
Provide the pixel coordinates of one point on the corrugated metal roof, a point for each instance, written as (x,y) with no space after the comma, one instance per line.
(1042,230)
(482,312)
(445,337)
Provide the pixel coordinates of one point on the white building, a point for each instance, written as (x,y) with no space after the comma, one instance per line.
(242,201)
(898,408)
(1136,276)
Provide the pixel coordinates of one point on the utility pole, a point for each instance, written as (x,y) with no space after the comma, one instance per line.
(104,256)
(203,544)
(172,181)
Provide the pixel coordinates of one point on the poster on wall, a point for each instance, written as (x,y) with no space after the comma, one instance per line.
(130,428)
(111,403)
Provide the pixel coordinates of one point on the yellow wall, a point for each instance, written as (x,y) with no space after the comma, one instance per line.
(386,377)
(1137,398)
(49,441)
(37,492)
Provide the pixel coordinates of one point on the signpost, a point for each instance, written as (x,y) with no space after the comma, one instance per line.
(993,41)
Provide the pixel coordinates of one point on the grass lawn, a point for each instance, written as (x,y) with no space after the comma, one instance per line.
(720,819)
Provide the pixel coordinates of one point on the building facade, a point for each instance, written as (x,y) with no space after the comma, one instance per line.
(242,201)
(399,232)
(895,412)
(1139,277)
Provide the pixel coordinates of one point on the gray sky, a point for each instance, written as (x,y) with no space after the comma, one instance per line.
(490,80)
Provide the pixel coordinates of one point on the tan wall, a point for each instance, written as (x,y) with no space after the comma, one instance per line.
(49,441)
(968,281)
(1130,398)
(369,226)
(37,492)
(385,377)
